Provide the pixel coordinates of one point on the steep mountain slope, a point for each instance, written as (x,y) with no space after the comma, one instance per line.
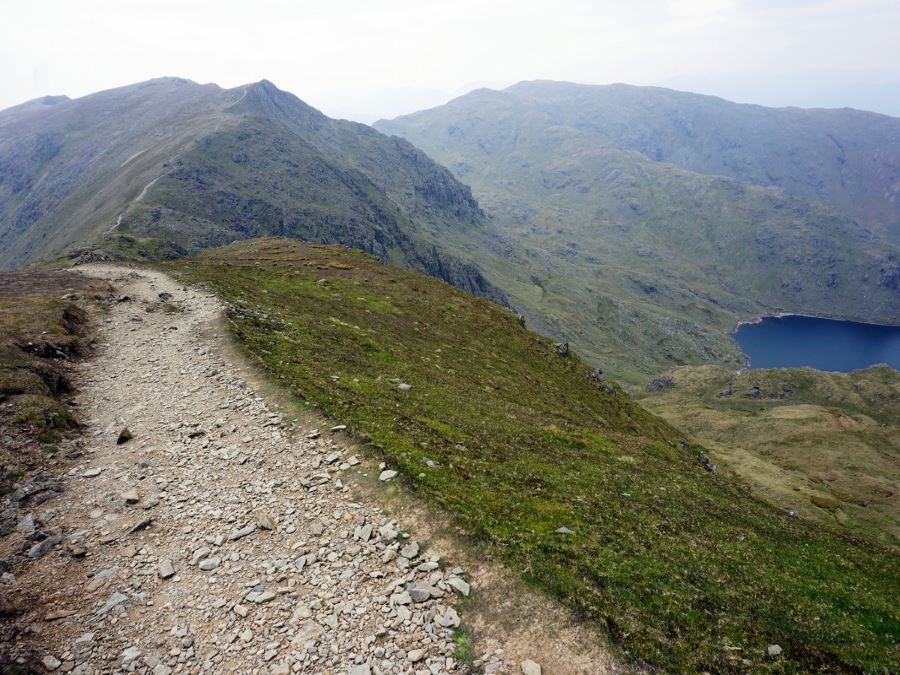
(565,479)
(640,262)
(68,170)
(168,167)
(845,158)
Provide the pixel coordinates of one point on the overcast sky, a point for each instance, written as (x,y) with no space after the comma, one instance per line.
(365,59)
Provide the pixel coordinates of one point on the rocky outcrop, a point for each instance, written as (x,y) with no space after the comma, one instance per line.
(660,383)
(464,275)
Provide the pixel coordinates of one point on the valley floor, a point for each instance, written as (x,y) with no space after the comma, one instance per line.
(223,537)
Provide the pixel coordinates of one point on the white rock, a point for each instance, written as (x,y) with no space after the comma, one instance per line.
(410,551)
(243,532)
(387,475)
(114,600)
(265,596)
(459,585)
(529,667)
(200,554)
(308,632)
(51,662)
(83,640)
(209,564)
(450,619)
(131,654)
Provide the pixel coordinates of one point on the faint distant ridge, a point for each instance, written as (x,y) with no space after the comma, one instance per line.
(34,105)
(847,158)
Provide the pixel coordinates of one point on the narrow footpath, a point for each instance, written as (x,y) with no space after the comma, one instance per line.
(201,531)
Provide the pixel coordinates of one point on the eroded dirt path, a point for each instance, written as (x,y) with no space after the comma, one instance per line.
(221,537)
(216,539)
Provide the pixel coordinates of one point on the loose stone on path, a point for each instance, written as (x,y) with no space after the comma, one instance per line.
(215,536)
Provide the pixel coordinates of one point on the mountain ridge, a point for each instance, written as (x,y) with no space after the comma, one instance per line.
(641,262)
(678,127)
(143,171)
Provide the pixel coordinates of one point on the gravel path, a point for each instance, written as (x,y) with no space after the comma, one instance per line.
(220,537)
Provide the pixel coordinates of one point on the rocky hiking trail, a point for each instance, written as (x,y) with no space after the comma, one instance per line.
(205,529)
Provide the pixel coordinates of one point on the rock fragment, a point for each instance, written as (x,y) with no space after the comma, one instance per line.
(114,600)
(209,564)
(166,569)
(264,521)
(459,586)
(51,663)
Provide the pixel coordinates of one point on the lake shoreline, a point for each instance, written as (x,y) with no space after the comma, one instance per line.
(797,342)
(781,315)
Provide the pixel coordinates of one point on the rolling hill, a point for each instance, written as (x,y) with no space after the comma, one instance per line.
(637,224)
(168,167)
(824,445)
(646,225)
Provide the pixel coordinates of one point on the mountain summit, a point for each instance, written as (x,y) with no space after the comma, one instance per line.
(168,167)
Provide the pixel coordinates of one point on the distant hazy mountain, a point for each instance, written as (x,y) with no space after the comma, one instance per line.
(170,167)
(650,219)
(31,106)
(846,158)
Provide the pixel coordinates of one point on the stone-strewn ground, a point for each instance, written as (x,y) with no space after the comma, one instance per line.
(219,538)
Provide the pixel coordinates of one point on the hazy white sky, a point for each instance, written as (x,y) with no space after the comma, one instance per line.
(364,59)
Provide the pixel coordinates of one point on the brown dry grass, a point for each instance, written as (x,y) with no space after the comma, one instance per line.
(43,324)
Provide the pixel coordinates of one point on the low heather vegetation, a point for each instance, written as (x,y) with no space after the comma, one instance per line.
(577,488)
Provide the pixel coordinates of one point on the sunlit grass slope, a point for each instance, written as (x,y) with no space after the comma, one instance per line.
(824,444)
(686,571)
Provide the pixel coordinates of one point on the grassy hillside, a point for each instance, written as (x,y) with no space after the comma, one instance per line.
(168,167)
(826,445)
(638,262)
(485,418)
(43,323)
